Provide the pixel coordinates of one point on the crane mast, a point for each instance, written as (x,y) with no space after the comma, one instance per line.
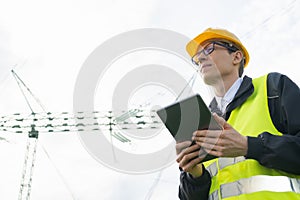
(28,166)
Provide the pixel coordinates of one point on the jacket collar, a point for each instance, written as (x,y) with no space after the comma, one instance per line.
(245,90)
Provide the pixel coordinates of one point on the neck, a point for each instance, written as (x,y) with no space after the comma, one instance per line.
(222,86)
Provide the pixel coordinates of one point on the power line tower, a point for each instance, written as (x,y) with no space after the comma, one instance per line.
(32,140)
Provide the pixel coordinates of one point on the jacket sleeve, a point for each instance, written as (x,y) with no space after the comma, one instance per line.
(280,152)
(194,188)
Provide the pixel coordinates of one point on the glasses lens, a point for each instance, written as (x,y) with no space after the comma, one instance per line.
(208,49)
(195,60)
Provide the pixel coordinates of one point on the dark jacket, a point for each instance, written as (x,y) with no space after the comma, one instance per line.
(277,152)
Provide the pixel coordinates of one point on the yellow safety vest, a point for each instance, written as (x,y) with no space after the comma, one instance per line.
(240,178)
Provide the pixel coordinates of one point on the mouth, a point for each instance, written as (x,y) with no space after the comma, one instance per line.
(205,66)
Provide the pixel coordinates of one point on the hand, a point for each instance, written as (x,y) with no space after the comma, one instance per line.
(189,158)
(222,143)
(180,146)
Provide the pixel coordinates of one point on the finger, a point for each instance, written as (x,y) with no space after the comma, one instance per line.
(216,153)
(181,146)
(186,159)
(202,153)
(219,119)
(187,151)
(201,140)
(206,134)
(191,164)
(192,160)
(200,133)
(211,147)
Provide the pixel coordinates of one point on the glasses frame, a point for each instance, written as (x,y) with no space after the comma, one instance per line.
(207,51)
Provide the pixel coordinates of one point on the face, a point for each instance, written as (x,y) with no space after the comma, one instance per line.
(215,62)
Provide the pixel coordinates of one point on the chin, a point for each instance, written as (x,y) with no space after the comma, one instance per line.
(209,79)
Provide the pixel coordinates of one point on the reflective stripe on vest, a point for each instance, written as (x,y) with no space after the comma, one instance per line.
(256,184)
(214,195)
(260,183)
(212,169)
(223,162)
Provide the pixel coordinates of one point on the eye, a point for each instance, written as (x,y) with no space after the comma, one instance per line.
(208,49)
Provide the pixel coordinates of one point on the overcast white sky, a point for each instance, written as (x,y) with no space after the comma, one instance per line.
(46,43)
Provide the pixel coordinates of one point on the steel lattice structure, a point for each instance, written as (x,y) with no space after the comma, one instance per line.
(115,123)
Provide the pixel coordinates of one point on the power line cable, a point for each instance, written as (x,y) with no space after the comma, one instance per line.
(58,172)
(269,18)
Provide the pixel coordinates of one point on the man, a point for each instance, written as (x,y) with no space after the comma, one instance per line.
(258,149)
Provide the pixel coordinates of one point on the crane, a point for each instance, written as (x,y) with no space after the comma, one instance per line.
(54,122)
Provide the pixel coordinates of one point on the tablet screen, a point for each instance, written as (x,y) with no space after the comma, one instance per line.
(186,116)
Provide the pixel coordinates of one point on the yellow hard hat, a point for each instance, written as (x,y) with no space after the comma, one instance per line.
(212,33)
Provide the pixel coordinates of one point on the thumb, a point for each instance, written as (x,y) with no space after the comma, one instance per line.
(221,121)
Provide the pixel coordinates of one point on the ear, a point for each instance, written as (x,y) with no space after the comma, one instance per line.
(237,57)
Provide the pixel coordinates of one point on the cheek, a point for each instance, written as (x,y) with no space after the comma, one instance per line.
(222,62)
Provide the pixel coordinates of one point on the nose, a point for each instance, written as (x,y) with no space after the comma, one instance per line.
(202,58)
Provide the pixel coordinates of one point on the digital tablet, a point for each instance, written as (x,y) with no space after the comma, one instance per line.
(184,117)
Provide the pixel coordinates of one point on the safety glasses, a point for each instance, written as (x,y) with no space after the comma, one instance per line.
(208,49)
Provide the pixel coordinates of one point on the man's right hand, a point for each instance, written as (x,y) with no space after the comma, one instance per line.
(189,157)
